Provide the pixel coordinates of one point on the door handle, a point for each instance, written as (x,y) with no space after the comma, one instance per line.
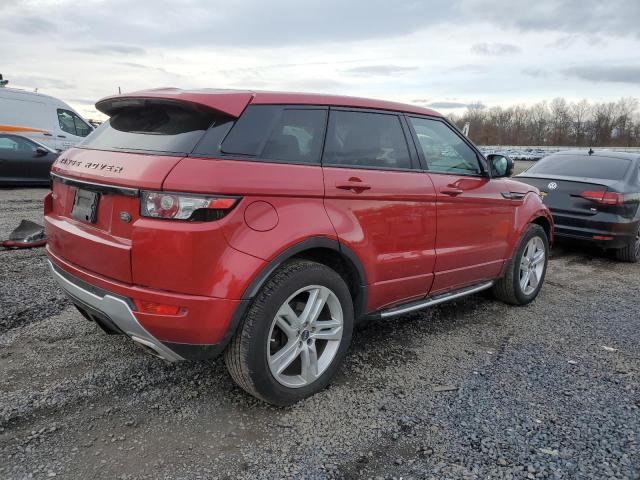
(451,191)
(354,184)
(62,136)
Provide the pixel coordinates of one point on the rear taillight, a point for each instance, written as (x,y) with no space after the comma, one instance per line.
(178,206)
(604,198)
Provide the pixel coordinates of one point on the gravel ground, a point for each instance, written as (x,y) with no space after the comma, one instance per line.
(473,389)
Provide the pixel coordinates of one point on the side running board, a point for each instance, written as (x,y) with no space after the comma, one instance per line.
(430,301)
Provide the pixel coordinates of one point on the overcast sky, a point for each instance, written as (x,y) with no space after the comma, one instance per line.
(440,53)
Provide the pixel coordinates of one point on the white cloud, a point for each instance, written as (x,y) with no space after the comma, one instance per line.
(493,51)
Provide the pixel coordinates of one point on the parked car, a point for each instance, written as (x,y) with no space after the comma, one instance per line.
(24,161)
(593,196)
(42,118)
(265,224)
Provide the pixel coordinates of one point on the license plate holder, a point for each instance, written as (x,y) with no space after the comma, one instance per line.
(85,206)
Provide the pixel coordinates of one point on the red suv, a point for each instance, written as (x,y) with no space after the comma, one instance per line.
(263,225)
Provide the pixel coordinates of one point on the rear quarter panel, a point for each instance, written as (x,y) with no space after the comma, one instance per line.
(282,204)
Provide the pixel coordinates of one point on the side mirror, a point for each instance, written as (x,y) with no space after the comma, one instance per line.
(501,165)
(41,152)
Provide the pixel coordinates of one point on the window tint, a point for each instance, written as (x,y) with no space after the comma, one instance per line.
(443,149)
(589,166)
(71,123)
(275,133)
(161,128)
(16,144)
(364,139)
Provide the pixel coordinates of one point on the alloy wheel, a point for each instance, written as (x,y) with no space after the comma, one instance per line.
(305,336)
(532,265)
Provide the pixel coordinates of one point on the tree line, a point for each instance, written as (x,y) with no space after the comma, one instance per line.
(558,122)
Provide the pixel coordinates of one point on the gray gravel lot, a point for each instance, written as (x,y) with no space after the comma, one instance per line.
(473,389)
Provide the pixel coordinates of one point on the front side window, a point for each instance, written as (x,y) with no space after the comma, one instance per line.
(444,150)
(71,123)
(16,144)
(364,139)
(269,132)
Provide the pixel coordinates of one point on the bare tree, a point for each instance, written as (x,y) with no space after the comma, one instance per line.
(556,123)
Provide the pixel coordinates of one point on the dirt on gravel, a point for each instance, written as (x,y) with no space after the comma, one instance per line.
(472,389)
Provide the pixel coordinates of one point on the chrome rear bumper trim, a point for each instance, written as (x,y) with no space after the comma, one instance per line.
(118,311)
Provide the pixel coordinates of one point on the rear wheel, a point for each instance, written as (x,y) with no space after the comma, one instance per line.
(631,252)
(526,270)
(294,336)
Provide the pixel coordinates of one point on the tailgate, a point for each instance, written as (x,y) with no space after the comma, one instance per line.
(101,244)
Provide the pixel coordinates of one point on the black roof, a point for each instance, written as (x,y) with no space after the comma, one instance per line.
(600,153)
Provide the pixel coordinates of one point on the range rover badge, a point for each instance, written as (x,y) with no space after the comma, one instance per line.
(125,217)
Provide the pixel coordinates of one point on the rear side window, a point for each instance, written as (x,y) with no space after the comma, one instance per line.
(443,150)
(365,139)
(71,123)
(268,132)
(170,128)
(589,166)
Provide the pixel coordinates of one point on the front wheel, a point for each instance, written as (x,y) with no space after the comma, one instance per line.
(526,270)
(294,336)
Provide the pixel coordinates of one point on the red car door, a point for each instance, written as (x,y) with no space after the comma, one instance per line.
(379,203)
(474,219)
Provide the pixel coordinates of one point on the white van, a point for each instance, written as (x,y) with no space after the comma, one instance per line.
(42,118)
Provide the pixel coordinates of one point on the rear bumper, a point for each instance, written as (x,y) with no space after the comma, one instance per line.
(113,312)
(604,234)
(201,331)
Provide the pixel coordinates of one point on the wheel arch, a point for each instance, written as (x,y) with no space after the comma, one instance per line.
(546,225)
(322,250)
(328,252)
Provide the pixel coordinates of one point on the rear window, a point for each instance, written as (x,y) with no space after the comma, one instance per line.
(606,168)
(283,134)
(367,140)
(158,128)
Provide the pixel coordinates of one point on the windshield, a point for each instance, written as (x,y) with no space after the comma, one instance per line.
(606,168)
(160,128)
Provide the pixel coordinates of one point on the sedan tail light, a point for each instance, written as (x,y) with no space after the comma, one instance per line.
(604,198)
(190,207)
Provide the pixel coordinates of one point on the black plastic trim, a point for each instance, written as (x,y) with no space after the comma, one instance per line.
(96,187)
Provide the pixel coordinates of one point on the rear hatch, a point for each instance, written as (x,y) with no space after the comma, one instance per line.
(96,185)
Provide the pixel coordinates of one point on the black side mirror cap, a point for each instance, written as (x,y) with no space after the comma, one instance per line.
(41,152)
(501,165)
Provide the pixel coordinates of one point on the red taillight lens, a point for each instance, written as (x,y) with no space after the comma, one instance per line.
(604,198)
(146,306)
(176,206)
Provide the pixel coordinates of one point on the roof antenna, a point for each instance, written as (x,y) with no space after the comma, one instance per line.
(119,92)
(590,152)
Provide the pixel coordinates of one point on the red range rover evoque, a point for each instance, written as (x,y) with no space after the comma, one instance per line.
(263,225)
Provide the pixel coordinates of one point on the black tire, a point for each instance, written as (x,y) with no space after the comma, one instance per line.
(508,287)
(630,253)
(246,355)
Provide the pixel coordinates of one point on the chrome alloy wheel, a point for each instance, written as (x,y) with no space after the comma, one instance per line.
(532,265)
(304,336)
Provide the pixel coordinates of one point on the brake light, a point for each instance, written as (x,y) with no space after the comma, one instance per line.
(146,306)
(175,206)
(604,198)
